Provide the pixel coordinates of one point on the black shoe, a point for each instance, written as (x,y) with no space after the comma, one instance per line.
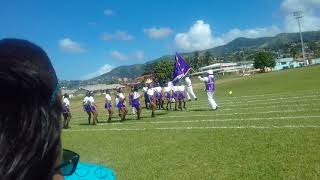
(196,99)
(189,99)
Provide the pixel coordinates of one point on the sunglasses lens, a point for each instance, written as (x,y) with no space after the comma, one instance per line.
(70,160)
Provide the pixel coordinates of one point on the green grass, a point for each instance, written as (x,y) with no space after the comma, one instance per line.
(268,129)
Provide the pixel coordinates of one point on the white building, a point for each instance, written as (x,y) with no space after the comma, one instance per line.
(286,63)
(227,67)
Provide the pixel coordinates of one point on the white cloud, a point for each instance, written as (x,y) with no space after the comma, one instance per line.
(138,55)
(158,33)
(198,37)
(123,35)
(106,36)
(68,45)
(118,56)
(310,21)
(108,12)
(119,35)
(102,70)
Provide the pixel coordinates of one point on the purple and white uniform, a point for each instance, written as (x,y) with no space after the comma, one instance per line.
(158,91)
(167,92)
(210,88)
(88,104)
(181,92)
(108,104)
(151,94)
(66,104)
(175,90)
(120,101)
(135,100)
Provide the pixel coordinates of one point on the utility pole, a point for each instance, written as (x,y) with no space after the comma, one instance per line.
(298,15)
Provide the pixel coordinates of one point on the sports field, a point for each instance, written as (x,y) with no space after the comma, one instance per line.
(268,129)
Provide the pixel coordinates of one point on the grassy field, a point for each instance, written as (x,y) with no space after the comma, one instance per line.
(268,129)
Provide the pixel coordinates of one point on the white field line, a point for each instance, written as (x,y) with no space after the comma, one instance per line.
(263,100)
(197,128)
(265,103)
(231,114)
(276,94)
(223,114)
(214,120)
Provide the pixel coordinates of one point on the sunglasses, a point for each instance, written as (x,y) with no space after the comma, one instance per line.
(69,163)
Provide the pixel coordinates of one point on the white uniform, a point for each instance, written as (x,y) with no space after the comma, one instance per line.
(88,100)
(66,102)
(108,98)
(170,84)
(189,89)
(210,94)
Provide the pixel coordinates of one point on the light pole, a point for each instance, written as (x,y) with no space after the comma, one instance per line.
(298,15)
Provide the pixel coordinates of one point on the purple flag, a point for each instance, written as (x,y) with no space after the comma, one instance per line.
(181,68)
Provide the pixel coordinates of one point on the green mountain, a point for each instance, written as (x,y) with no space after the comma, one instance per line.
(280,41)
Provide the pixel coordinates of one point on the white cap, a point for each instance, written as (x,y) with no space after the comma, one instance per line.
(210,72)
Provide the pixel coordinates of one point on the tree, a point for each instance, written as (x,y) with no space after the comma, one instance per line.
(207,58)
(264,59)
(196,59)
(162,70)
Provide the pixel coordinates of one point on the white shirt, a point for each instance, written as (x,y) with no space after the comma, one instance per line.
(175,88)
(170,84)
(150,92)
(158,89)
(66,101)
(181,88)
(88,100)
(136,95)
(188,82)
(167,89)
(108,97)
(145,89)
(205,79)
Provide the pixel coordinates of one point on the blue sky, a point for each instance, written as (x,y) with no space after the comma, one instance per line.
(89,37)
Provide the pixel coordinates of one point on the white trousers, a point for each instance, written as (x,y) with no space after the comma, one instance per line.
(189,91)
(212,102)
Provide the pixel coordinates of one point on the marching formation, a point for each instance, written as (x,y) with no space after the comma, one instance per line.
(173,96)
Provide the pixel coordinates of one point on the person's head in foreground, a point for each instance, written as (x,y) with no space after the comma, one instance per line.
(30,115)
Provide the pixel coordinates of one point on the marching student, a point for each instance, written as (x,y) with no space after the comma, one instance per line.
(66,111)
(210,88)
(159,98)
(130,101)
(175,96)
(168,96)
(121,105)
(189,89)
(135,103)
(181,97)
(152,99)
(90,108)
(146,98)
(108,105)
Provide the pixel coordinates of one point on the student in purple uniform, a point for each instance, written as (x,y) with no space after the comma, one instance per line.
(135,103)
(168,97)
(87,106)
(159,98)
(108,105)
(181,97)
(152,99)
(122,105)
(66,111)
(175,96)
(210,88)
(130,101)
(93,109)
